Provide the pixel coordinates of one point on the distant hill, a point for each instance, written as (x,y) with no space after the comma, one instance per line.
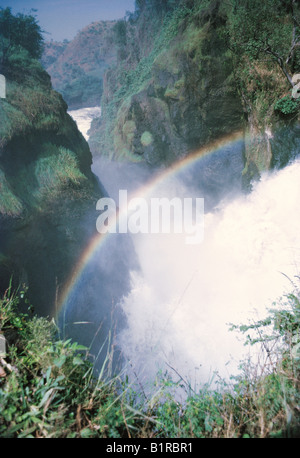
(77,67)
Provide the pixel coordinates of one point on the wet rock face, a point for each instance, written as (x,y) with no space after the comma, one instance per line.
(48,193)
(43,248)
(272,147)
(285,145)
(189,99)
(40,248)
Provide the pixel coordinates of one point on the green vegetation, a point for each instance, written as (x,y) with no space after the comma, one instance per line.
(134,80)
(28,107)
(49,154)
(83,90)
(178,61)
(19,32)
(56,171)
(57,168)
(134,70)
(9,203)
(46,185)
(77,67)
(54,168)
(287,105)
(269,29)
(43,182)
(264,39)
(48,388)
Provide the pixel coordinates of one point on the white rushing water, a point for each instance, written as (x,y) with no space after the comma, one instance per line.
(184,297)
(182,301)
(83,118)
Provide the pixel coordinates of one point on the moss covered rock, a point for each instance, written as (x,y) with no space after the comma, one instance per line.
(48,193)
(183,93)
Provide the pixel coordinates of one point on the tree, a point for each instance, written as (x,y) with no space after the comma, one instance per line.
(20,31)
(269,28)
(120,32)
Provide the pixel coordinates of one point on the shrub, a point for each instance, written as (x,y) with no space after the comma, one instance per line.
(286,106)
(50,390)
(58,169)
(20,30)
(9,203)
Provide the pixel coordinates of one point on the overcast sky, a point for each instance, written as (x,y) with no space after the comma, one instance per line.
(64,18)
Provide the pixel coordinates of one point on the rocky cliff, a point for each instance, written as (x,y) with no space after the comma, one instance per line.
(47,191)
(191,76)
(178,98)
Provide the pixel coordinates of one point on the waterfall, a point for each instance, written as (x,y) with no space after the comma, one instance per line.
(83,118)
(181,300)
(181,303)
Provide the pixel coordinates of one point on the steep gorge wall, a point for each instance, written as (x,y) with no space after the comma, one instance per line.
(186,99)
(48,193)
(271,135)
(172,95)
(77,67)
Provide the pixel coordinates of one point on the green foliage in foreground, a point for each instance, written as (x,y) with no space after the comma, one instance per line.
(49,389)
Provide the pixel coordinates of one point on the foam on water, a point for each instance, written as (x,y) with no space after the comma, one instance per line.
(182,297)
(83,118)
(181,302)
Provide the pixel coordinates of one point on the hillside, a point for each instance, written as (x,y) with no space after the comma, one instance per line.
(52,50)
(77,67)
(190,72)
(47,189)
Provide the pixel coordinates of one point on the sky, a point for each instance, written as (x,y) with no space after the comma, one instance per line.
(62,19)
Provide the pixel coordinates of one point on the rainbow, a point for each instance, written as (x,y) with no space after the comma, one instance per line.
(99,240)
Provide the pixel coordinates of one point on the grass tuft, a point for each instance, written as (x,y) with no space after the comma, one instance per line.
(49,388)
